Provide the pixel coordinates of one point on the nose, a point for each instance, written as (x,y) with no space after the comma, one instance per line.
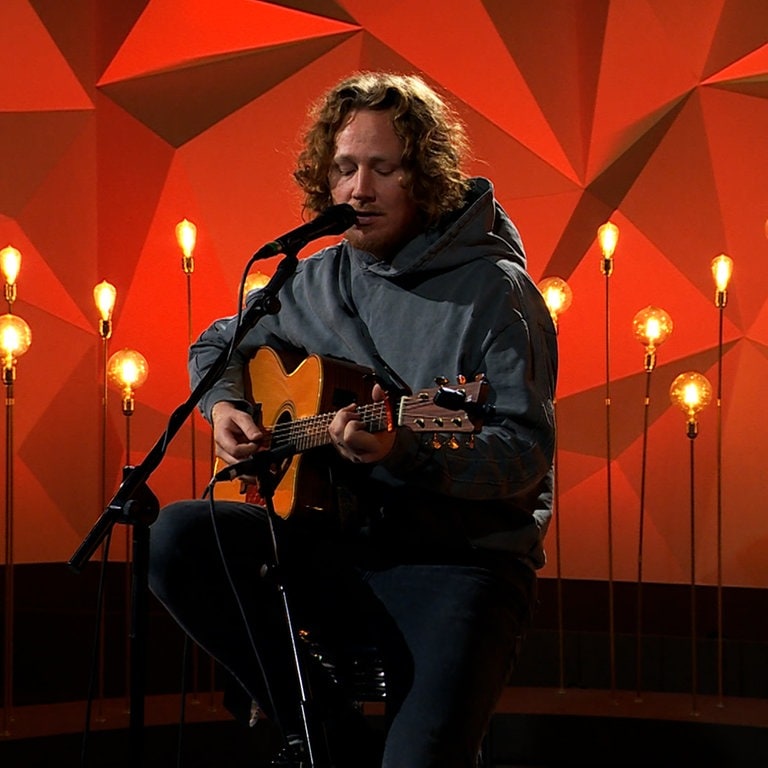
(364,185)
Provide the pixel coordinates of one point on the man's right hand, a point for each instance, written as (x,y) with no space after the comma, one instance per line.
(235,433)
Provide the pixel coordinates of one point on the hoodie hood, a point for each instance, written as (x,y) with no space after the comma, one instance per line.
(480,228)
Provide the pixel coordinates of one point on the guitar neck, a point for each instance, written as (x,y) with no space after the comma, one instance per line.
(312,431)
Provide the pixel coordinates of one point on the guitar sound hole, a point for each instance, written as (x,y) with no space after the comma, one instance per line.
(281,430)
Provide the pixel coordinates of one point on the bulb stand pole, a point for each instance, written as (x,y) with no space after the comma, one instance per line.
(8,634)
(105,331)
(559,578)
(692,433)
(641,532)
(607,268)
(128,407)
(558,559)
(719,491)
(187,266)
(192,435)
(557,296)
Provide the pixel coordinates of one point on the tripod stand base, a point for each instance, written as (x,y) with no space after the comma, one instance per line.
(291,756)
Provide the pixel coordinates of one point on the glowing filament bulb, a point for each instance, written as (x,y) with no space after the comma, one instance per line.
(254,282)
(652,326)
(722,269)
(129,373)
(15,338)
(128,369)
(10,262)
(186,237)
(608,236)
(557,296)
(104,295)
(692,398)
(691,392)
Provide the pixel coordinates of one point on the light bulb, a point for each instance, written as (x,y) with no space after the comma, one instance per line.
(691,392)
(104,295)
(608,236)
(15,338)
(652,326)
(186,237)
(722,269)
(254,282)
(557,296)
(127,369)
(10,262)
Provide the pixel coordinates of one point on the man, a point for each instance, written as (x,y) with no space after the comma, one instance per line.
(430,552)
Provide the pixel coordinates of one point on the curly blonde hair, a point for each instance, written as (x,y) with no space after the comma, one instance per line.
(434,139)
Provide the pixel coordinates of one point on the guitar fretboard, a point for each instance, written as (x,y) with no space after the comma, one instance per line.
(312,431)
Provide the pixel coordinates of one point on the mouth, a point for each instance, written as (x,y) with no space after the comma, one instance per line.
(366,218)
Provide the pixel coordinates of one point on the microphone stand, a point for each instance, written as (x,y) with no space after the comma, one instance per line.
(262,468)
(136,505)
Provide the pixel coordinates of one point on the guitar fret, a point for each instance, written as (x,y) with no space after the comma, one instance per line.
(312,431)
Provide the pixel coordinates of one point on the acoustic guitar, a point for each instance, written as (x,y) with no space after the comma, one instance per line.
(298,399)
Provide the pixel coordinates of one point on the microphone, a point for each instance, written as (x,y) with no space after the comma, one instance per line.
(332,221)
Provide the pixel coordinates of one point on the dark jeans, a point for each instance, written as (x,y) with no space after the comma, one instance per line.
(447,632)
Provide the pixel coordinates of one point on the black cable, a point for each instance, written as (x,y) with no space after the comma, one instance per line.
(238,600)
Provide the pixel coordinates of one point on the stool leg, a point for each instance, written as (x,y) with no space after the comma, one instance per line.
(484,756)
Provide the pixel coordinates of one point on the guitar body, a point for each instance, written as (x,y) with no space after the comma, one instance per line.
(290,388)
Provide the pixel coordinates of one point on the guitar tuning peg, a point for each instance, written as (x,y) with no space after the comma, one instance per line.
(461,379)
(470,442)
(436,444)
(453,443)
(441,381)
(480,377)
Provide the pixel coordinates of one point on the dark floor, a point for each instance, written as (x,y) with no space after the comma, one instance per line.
(561,710)
(546,741)
(205,745)
(516,741)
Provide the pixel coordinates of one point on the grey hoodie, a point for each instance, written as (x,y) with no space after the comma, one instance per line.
(455,300)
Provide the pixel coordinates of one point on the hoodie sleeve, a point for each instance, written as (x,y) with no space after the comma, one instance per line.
(204,353)
(514,450)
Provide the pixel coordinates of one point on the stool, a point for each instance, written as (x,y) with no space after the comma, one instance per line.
(363,672)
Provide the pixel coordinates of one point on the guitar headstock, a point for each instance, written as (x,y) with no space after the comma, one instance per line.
(458,409)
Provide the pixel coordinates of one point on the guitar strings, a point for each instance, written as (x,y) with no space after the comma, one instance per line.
(312,431)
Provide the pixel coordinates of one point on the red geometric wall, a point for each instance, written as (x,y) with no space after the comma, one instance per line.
(117,120)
